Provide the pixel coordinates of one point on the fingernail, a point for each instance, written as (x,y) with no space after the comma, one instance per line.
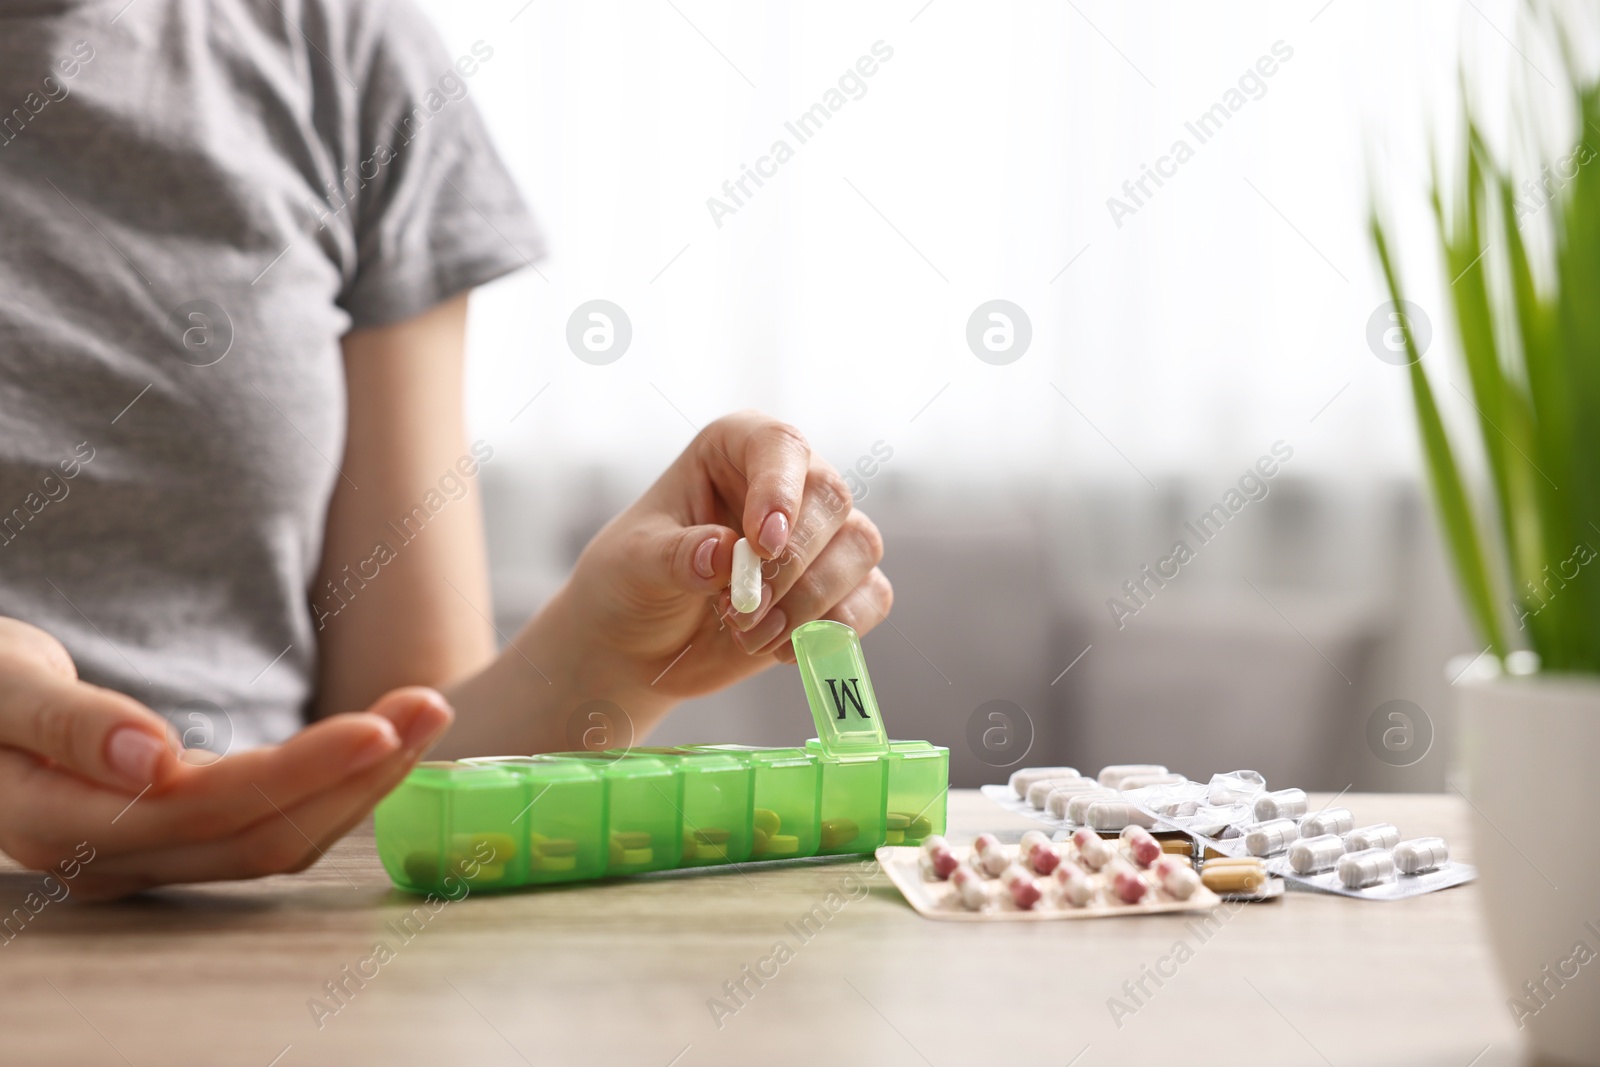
(134,754)
(774,533)
(702,558)
(422,727)
(763,633)
(377,748)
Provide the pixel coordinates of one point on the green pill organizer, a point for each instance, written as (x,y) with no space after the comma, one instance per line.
(500,822)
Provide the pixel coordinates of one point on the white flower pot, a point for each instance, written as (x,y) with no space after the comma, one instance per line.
(1531,751)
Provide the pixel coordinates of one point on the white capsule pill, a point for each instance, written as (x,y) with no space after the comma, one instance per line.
(933,843)
(1421,854)
(971,889)
(1093,853)
(1327,821)
(1369,867)
(1114,774)
(1311,855)
(1021,780)
(1139,781)
(1056,803)
(1270,838)
(1040,789)
(1284,804)
(745,590)
(1234,787)
(1114,815)
(1078,805)
(1378,835)
(1072,885)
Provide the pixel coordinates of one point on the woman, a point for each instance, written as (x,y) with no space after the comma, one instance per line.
(238,238)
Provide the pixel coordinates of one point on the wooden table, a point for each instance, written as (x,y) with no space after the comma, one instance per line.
(627,972)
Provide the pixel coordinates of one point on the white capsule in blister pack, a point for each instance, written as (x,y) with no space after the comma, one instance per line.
(1139,781)
(1312,855)
(1021,780)
(1369,867)
(1284,804)
(1327,821)
(1111,777)
(1378,835)
(1115,814)
(1421,855)
(1078,805)
(1234,787)
(1041,789)
(1055,804)
(1270,838)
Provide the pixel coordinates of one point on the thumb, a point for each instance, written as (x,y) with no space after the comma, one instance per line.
(102,735)
(689,559)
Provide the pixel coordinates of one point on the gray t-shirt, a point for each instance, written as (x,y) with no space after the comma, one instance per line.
(198,198)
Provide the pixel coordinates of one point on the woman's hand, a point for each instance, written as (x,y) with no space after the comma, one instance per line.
(87,772)
(650,597)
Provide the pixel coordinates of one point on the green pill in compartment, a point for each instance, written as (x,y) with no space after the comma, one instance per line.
(643,797)
(715,804)
(448,829)
(919,782)
(785,819)
(560,825)
(851,807)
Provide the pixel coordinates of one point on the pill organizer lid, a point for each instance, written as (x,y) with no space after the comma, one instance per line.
(542,768)
(767,757)
(617,764)
(449,774)
(839,690)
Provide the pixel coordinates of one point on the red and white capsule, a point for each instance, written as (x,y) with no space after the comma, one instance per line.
(1072,886)
(1025,892)
(1142,846)
(1038,853)
(971,890)
(1128,886)
(1093,852)
(1177,877)
(989,855)
(938,864)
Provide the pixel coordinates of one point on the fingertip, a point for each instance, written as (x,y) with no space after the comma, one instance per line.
(418,714)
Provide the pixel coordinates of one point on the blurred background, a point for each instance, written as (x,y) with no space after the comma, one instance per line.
(1176,334)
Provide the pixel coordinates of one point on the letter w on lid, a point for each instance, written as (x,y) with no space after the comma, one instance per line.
(846,690)
(839,690)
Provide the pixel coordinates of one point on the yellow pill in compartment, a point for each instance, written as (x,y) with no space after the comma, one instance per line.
(631,838)
(766,820)
(553,846)
(557,864)
(839,832)
(759,841)
(920,827)
(783,845)
(894,837)
(896,820)
(484,847)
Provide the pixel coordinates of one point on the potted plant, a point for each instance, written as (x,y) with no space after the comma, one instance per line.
(1523,261)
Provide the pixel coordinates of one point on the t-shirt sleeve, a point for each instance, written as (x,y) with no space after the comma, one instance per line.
(438,212)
